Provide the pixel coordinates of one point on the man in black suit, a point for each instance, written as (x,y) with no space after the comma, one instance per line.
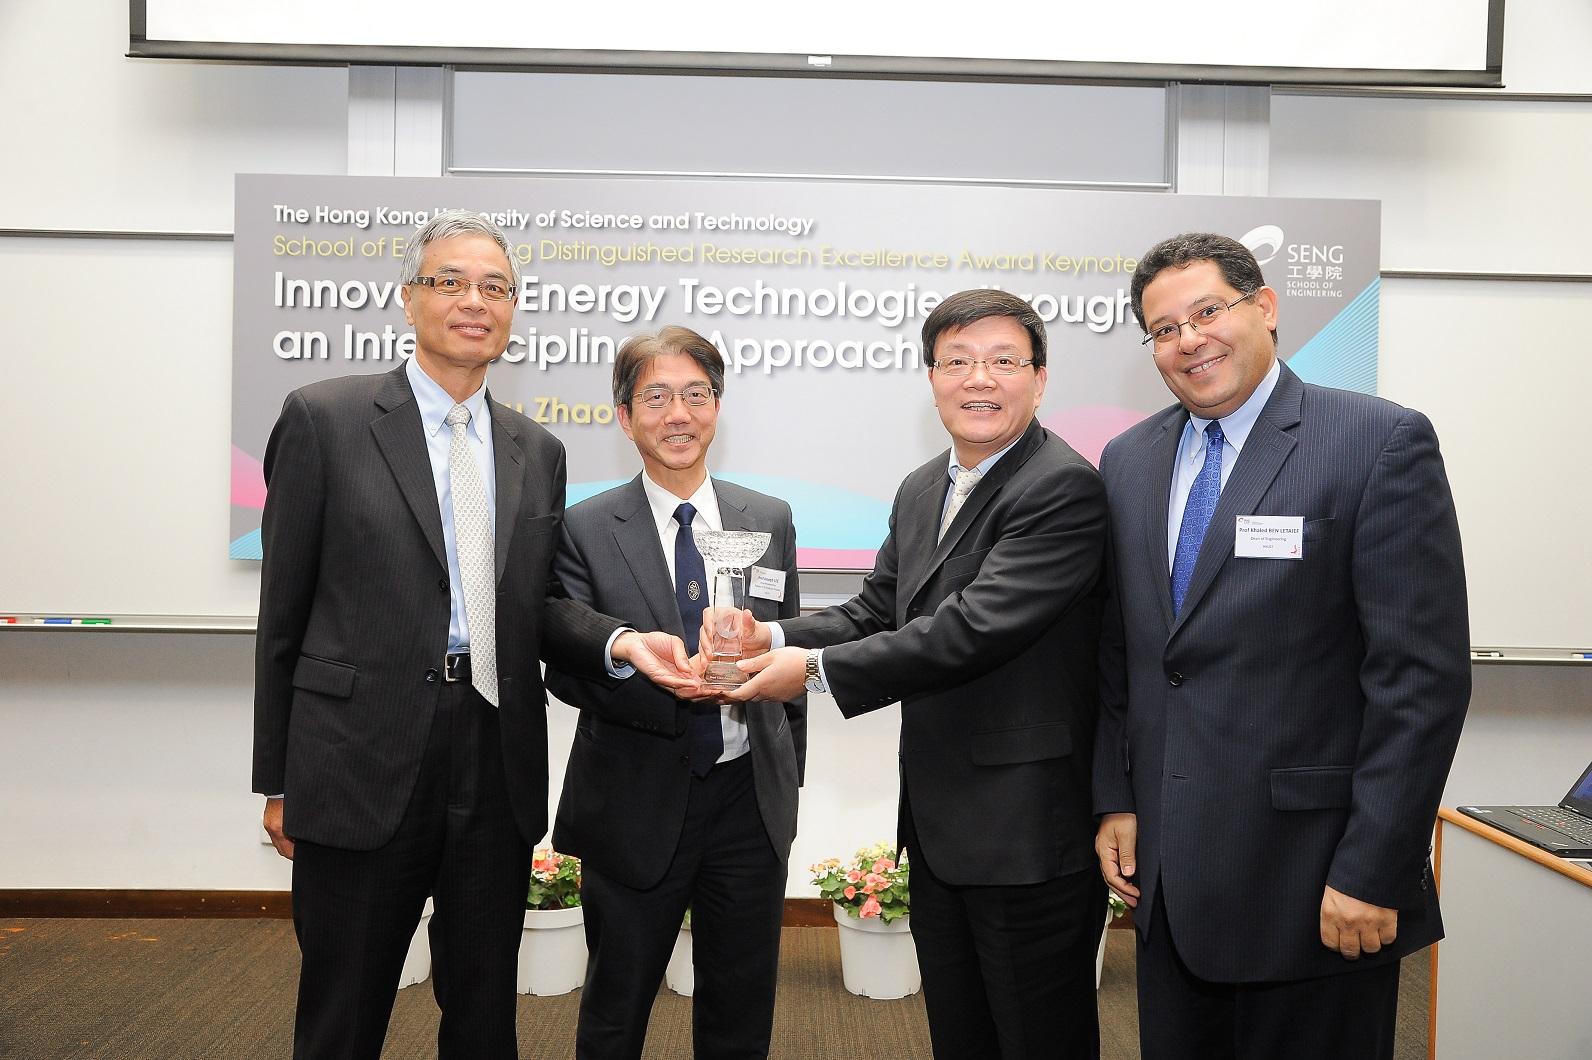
(667,803)
(1285,671)
(982,617)
(405,596)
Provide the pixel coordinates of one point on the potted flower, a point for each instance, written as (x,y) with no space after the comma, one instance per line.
(871,904)
(553,943)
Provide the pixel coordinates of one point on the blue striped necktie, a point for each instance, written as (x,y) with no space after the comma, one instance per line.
(1202,497)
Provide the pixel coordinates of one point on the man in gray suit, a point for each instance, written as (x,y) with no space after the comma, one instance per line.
(982,617)
(400,733)
(671,804)
(1285,670)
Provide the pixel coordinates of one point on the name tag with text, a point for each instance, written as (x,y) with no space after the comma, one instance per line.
(1270,537)
(766,584)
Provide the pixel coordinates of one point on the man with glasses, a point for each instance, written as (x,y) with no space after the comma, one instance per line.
(673,805)
(982,617)
(1285,670)
(405,596)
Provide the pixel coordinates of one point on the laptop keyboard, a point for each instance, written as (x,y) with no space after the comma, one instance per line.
(1572,825)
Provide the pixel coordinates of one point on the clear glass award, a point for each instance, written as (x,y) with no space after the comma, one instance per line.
(728,553)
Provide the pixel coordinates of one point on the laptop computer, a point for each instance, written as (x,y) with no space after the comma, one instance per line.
(1565,829)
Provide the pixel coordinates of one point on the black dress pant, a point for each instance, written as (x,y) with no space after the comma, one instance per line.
(1331,1017)
(354,911)
(1008,971)
(726,870)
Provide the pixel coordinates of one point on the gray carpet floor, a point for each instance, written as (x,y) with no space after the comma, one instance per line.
(191,989)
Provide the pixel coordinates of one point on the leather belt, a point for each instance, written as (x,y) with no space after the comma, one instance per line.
(456,667)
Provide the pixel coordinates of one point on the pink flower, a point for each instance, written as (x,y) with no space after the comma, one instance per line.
(870,907)
(853,875)
(850,893)
(883,865)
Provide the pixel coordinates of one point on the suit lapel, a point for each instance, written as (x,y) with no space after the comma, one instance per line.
(732,508)
(916,524)
(1163,455)
(1265,451)
(636,537)
(933,499)
(509,459)
(401,437)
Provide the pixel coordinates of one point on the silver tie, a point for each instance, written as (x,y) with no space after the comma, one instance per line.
(472,533)
(966,479)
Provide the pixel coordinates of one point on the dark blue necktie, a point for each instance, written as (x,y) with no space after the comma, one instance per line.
(1202,497)
(691,595)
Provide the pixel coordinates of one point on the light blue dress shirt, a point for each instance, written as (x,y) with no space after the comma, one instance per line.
(434,404)
(1191,453)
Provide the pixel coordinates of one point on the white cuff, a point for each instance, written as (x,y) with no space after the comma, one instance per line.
(616,669)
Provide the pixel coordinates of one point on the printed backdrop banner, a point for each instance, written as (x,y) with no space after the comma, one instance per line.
(816,293)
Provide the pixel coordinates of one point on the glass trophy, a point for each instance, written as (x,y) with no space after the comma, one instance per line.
(728,553)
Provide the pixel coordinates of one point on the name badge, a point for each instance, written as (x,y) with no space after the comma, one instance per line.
(766,584)
(1270,537)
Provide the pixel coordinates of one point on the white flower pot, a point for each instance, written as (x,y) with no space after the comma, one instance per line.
(417,962)
(552,952)
(680,975)
(878,960)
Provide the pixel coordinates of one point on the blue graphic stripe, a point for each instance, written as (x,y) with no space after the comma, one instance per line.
(246,547)
(1344,353)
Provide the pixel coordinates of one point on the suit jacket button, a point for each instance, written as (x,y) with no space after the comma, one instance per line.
(685,760)
(1176,679)
(442,583)
(431,677)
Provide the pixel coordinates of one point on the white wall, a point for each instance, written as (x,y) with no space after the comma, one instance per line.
(126,756)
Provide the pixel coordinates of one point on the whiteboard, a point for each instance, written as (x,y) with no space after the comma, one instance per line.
(1414,41)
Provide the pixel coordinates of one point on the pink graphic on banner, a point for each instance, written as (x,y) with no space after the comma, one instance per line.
(1088,428)
(248,480)
(835,558)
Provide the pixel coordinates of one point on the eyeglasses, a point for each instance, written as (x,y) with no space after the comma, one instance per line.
(1167,335)
(957,367)
(661,397)
(456,286)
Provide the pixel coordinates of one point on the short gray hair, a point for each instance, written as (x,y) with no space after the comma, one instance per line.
(445,225)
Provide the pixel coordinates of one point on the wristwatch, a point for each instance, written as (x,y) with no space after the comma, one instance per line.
(815,680)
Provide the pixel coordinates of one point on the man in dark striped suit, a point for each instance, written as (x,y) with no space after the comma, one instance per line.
(1285,670)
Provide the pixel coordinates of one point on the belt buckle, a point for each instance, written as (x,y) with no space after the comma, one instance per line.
(452,665)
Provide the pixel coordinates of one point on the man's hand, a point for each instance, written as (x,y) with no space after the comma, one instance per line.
(660,658)
(1116,844)
(778,676)
(273,828)
(755,636)
(1352,927)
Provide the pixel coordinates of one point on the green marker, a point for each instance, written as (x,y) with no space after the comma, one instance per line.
(96,622)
